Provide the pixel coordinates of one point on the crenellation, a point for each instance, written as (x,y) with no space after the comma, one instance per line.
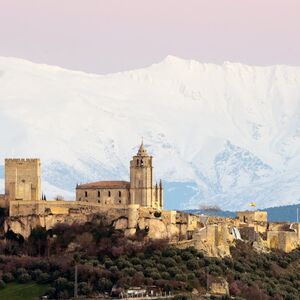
(21,160)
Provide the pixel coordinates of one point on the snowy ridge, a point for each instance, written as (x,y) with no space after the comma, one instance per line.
(231,130)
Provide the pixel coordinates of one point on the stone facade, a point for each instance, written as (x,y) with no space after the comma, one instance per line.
(252,216)
(139,190)
(23,179)
(3,201)
(106,193)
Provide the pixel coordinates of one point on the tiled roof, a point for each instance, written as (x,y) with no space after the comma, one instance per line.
(105,184)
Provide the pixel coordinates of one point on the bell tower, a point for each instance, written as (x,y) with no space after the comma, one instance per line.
(141,189)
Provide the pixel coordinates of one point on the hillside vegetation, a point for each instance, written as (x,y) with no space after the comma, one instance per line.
(105,258)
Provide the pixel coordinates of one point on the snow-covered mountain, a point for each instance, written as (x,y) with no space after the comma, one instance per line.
(225,134)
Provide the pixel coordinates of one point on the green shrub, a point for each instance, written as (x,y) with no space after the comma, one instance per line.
(169,262)
(135,261)
(180,277)
(139,268)
(129,271)
(191,276)
(173,271)
(155,275)
(24,278)
(165,275)
(148,263)
(169,252)
(36,274)
(2,284)
(192,264)
(84,289)
(186,255)
(43,278)
(104,285)
(114,269)
(8,277)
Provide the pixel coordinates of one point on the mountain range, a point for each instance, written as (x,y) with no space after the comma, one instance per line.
(221,135)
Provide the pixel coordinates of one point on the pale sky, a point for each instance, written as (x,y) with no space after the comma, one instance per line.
(104,36)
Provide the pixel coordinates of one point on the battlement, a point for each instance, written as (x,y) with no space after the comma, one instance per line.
(21,160)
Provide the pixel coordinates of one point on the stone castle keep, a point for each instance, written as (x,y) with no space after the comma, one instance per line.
(134,205)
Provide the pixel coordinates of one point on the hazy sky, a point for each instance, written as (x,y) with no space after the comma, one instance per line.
(114,35)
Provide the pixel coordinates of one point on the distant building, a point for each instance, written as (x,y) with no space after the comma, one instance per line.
(252,216)
(139,190)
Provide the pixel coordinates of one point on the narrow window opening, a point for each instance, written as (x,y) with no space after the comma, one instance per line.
(137,162)
(120,194)
(85,194)
(109,193)
(99,201)
(120,201)
(98,193)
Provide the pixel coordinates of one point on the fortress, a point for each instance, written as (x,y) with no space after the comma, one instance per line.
(131,206)
(23,189)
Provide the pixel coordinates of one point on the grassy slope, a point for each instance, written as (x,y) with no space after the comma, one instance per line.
(28,291)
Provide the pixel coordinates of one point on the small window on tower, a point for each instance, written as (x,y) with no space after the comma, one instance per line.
(120,194)
(85,194)
(142,163)
(109,193)
(137,162)
(98,193)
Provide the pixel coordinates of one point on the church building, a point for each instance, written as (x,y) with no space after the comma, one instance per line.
(139,190)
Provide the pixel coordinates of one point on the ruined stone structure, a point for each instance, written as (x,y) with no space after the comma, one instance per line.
(252,216)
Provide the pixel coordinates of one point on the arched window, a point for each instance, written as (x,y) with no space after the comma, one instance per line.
(109,193)
(120,194)
(85,194)
(98,193)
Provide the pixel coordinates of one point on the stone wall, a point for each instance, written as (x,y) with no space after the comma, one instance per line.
(3,201)
(252,216)
(283,240)
(214,240)
(109,196)
(23,179)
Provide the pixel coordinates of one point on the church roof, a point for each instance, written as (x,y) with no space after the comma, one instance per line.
(142,151)
(104,185)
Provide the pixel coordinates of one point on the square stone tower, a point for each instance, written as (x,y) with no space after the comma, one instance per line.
(142,191)
(23,179)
